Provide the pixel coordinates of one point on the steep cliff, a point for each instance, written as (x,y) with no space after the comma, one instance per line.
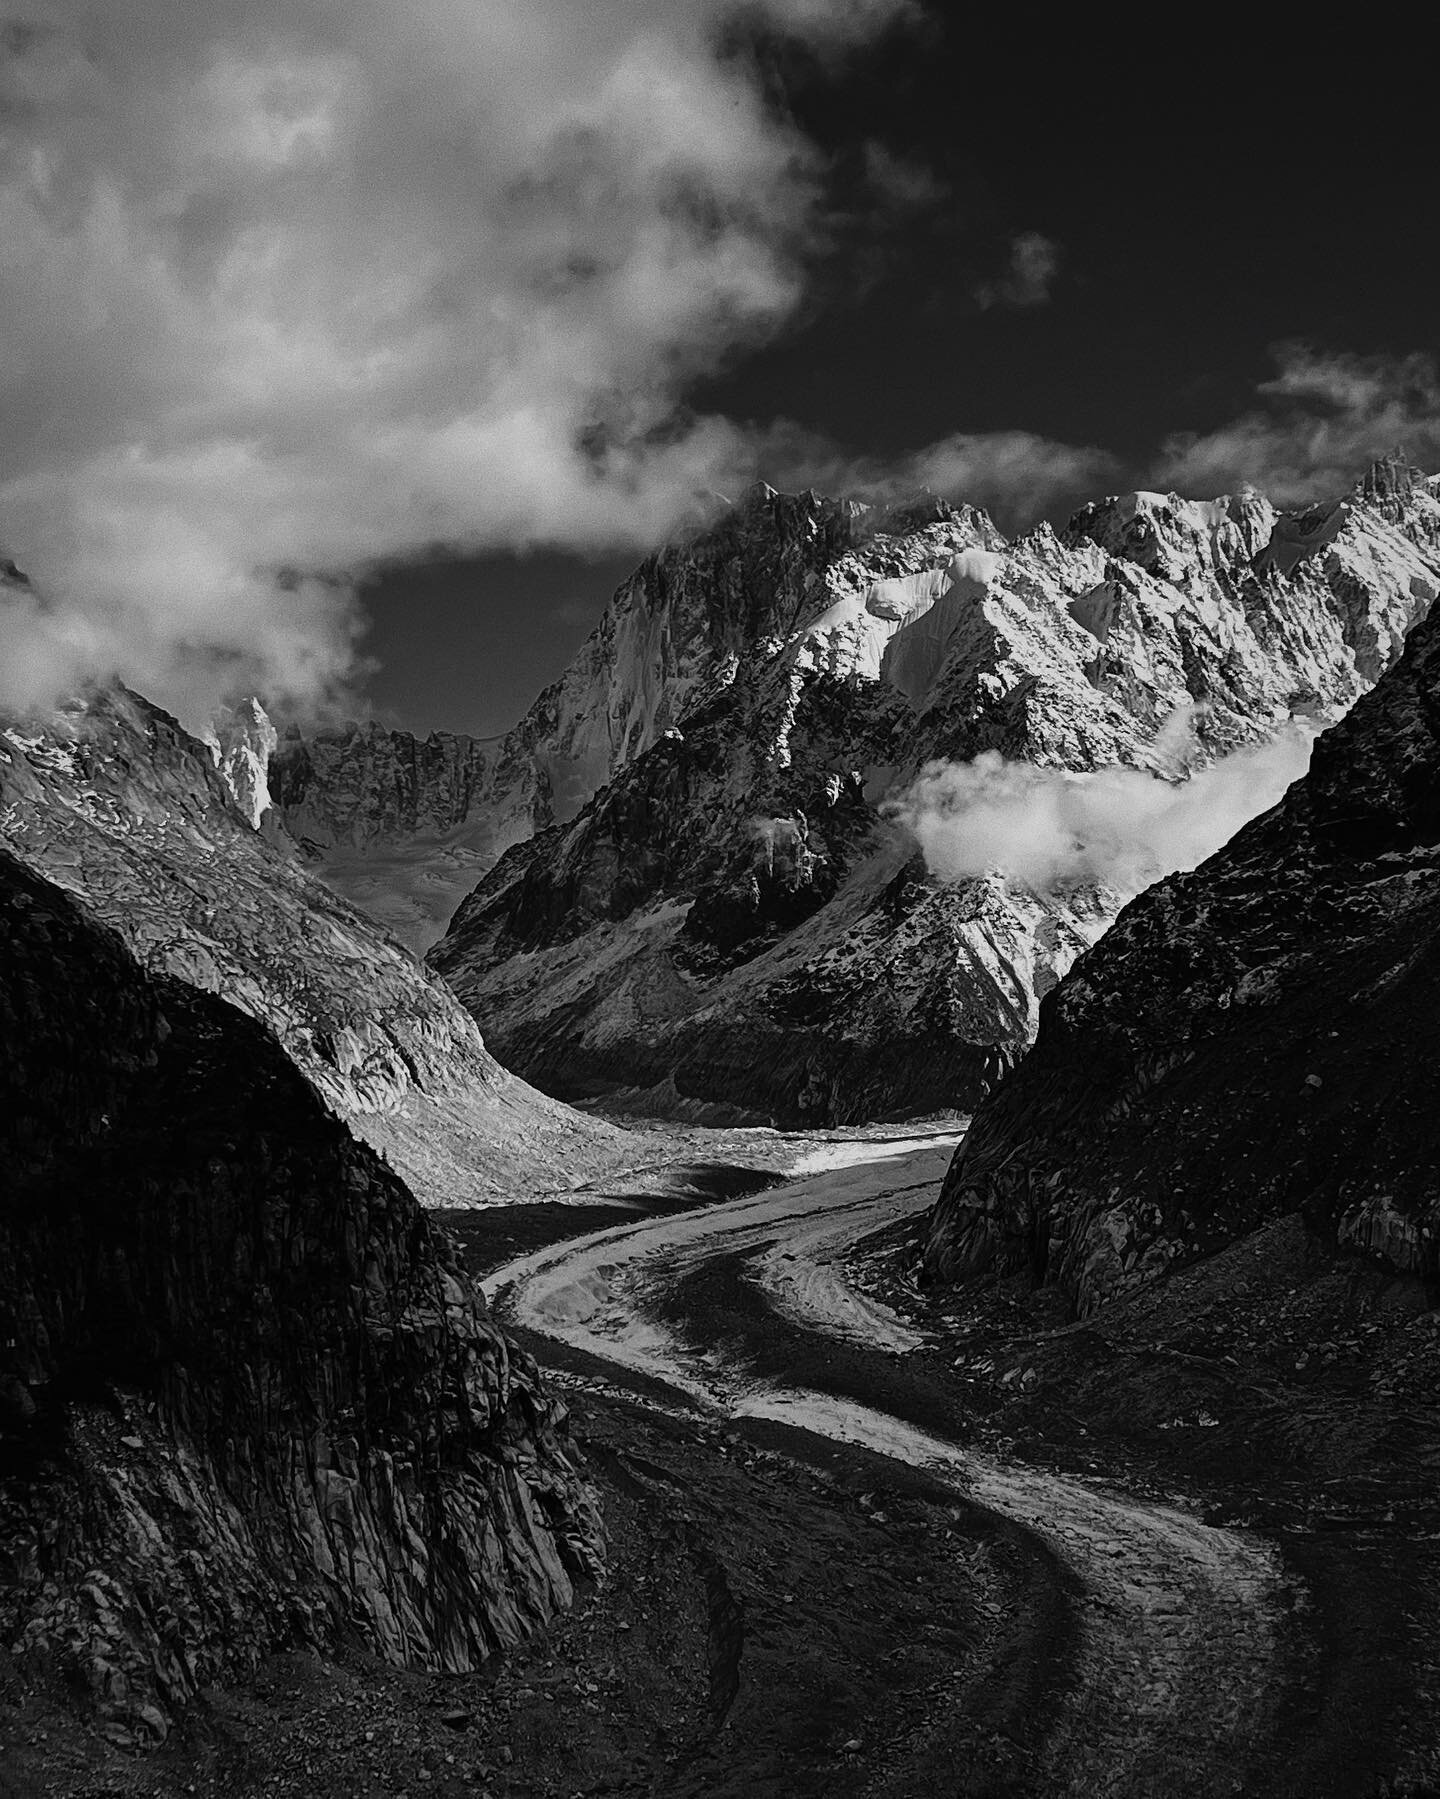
(1250,1040)
(735,907)
(120,806)
(405,827)
(246,1394)
(401,826)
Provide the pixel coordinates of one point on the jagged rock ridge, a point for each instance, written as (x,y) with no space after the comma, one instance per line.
(117,803)
(1250,1040)
(246,1394)
(404,827)
(732,910)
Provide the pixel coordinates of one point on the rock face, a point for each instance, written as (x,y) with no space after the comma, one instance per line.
(367,784)
(1250,1040)
(405,827)
(243,746)
(246,1395)
(120,806)
(735,908)
(401,826)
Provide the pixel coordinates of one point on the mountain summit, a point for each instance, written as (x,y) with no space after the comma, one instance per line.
(735,910)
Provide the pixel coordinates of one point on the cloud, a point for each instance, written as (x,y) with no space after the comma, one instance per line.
(1320,420)
(1120,827)
(1033,267)
(899,183)
(1018,475)
(1012,472)
(290,286)
(832,26)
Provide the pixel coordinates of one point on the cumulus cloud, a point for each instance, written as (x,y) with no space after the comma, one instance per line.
(290,286)
(829,24)
(1318,422)
(1029,276)
(1120,827)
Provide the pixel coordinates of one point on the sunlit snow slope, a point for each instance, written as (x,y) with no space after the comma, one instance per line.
(734,912)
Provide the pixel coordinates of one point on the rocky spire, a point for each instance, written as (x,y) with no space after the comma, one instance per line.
(1390,477)
(245,740)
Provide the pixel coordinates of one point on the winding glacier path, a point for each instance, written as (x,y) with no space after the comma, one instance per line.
(1178,1665)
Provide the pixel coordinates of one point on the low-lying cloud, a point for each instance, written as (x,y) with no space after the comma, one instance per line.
(1119,827)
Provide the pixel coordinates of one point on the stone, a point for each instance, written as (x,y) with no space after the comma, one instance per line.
(1250,1040)
(730,917)
(117,803)
(338,1437)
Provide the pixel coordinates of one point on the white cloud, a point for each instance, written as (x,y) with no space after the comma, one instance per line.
(1120,827)
(289,285)
(1016,474)
(1319,421)
(1030,274)
(1011,471)
(293,285)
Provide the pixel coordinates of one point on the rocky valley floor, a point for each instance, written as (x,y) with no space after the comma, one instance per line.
(866,1540)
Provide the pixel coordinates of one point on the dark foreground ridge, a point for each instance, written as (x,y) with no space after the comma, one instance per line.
(1251,1040)
(247,1398)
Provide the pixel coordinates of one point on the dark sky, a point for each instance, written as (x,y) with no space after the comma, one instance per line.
(1210,195)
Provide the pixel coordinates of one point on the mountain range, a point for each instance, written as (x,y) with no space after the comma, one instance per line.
(169,840)
(707,857)
(247,1393)
(720,900)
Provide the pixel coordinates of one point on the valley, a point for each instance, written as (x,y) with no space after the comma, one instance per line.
(376,1422)
(1203,1657)
(869,1540)
(719,905)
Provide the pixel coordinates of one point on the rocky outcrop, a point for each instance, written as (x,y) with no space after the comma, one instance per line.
(401,826)
(404,828)
(246,1394)
(736,907)
(1250,1040)
(243,745)
(687,620)
(118,804)
(367,784)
